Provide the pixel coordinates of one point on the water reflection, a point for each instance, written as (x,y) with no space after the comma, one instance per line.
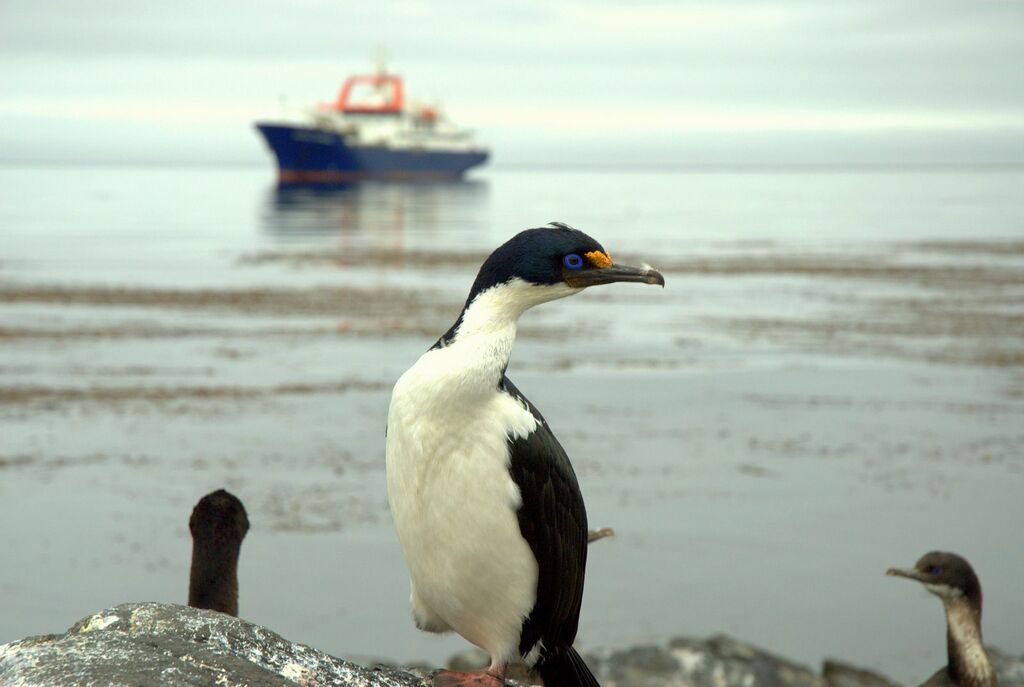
(393,214)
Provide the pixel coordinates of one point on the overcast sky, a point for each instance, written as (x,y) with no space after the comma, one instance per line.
(550,82)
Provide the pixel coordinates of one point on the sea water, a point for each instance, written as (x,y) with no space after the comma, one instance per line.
(831,383)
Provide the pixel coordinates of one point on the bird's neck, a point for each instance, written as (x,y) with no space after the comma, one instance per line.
(495,309)
(213,578)
(492,314)
(481,344)
(968,663)
(470,359)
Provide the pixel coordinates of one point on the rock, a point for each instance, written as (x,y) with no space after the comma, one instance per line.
(716,662)
(1009,669)
(725,662)
(149,644)
(839,674)
(143,644)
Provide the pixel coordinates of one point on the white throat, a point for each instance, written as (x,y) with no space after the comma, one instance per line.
(965,633)
(493,310)
(468,367)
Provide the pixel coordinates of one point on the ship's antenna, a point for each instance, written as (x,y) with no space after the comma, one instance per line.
(381,58)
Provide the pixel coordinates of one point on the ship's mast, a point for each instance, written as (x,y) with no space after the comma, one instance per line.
(380,58)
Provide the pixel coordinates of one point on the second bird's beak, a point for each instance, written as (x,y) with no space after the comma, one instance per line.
(909,573)
(608,275)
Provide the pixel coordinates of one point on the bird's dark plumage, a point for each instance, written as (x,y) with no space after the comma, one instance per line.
(553,521)
(941,678)
(218,524)
(952,579)
(533,255)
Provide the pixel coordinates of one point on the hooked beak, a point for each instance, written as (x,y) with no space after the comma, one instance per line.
(579,279)
(908,573)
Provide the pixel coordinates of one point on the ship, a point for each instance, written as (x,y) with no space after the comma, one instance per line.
(370,132)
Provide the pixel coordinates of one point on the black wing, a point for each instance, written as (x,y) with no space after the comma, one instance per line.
(553,520)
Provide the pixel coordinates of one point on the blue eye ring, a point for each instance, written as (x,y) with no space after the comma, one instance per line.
(572,261)
(934,570)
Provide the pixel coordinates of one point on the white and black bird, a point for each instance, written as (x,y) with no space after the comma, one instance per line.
(487,507)
(952,579)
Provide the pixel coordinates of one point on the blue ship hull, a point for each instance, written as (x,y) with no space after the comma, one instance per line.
(307,155)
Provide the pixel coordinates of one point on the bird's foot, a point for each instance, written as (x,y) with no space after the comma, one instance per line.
(594,535)
(453,678)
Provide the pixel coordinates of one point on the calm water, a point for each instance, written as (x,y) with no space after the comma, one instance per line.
(832,383)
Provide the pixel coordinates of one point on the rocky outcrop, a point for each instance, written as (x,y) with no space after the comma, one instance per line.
(140,645)
(723,662)
(1009,669)
(714,662)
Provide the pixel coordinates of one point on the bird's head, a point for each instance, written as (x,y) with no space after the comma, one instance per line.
(553,262)
(219,517)
(944,574)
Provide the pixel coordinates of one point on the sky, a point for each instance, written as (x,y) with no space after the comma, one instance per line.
(703,83)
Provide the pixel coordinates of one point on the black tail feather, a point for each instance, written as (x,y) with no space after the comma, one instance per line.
(565,668)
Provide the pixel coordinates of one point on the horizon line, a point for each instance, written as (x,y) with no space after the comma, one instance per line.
(548,166)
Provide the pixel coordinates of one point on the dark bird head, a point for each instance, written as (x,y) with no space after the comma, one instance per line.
(557,259)
(218,525)
(219,518)
(946,575)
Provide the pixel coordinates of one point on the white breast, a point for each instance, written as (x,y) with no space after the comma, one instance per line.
(452,498)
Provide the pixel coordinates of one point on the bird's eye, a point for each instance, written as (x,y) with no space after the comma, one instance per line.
(572,261)
(934,570)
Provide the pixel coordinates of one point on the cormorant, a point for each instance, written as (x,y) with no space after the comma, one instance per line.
(485,501)
(952,579)
(218,525)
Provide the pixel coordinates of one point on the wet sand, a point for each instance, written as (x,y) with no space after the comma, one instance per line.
(767,435)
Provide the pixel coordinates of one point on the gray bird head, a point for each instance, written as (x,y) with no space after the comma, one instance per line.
(944,574)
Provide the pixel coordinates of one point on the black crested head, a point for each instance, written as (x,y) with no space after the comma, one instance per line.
(946,575)
(536,256)
(558,259)
(556,255)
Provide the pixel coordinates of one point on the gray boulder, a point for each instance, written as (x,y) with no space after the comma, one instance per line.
(1009,669)
(150,644)
(143,644)
(725,662)
(684,662)
(715,662)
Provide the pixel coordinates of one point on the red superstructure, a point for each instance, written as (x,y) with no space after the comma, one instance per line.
(379,93)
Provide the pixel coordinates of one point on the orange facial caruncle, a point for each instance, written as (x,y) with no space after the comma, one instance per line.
(598,259)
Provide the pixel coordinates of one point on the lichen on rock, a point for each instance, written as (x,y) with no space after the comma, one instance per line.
(161,644)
